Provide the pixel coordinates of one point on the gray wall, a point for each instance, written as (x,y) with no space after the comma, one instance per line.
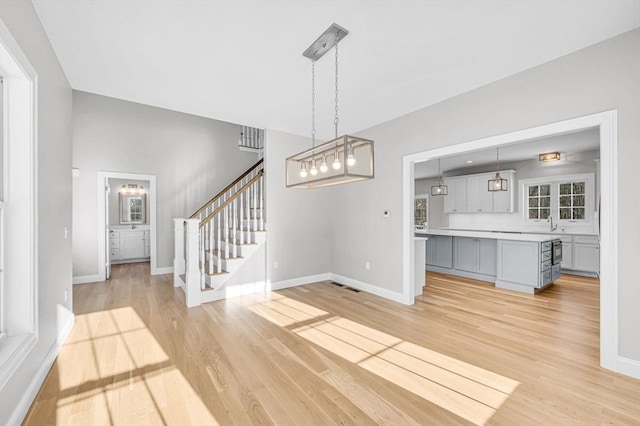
(192,158)
(54,194)
(114,199)
(299,221)
(601,77)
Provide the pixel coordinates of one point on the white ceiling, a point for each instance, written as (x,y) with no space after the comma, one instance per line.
(241,61)
(568,145)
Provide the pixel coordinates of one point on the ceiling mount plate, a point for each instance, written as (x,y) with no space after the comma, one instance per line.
(325,42)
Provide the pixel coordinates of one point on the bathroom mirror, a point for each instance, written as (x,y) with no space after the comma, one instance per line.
(133,209)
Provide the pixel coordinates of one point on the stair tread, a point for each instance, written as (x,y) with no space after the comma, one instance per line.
(222,253)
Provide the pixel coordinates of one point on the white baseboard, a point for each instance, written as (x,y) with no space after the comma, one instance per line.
(368,288)
(628,367)
(279,285)
(20,411)
(162,271)
(84,279)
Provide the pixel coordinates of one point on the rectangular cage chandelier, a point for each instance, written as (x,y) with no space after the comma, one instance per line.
(344,159)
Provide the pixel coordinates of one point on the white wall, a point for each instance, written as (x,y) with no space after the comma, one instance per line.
(54,201)
(114,199)
(192,158)
(602,77)
(298,221)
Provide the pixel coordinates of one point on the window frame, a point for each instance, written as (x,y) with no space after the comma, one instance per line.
(555,182)
(20,135)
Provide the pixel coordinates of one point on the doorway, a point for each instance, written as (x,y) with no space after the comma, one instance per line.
(606,123)
(127,206)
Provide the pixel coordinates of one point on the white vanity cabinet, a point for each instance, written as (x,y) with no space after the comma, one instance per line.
(128,245)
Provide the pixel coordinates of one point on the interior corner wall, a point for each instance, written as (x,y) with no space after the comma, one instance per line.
(298,220)
(54,115)
(192,158)
(602,77)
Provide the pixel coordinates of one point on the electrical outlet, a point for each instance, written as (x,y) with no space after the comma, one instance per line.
(367,265)
(275,264)
(386,213)
(66,295)
(66,232)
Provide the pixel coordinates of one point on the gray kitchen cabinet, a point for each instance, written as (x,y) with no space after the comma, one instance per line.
(479,198)
(586,257)
(440,251)
(475,255)
(487,256)
(525,266)
(456,200)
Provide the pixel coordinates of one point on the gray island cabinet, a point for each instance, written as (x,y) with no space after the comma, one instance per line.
(513,261)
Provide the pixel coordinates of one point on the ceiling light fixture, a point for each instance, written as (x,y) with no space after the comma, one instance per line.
(132,189)
(440,188)
(549,156)
(497,183)
(353,159)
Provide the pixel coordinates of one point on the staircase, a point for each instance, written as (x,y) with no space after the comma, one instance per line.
(215,242)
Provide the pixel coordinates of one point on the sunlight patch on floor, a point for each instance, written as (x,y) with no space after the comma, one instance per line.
(113,371)
(468,391)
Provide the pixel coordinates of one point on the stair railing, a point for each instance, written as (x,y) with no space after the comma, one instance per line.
(231,219)
(228,191)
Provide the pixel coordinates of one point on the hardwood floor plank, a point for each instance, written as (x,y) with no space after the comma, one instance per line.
(465,353)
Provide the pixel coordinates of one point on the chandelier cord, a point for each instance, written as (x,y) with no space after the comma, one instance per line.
(313,102)
(335,121)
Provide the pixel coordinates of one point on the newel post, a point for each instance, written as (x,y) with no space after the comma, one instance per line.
(192,265)
(178,250)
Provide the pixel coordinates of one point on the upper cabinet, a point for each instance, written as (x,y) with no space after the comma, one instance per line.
(470,194)
(456,200)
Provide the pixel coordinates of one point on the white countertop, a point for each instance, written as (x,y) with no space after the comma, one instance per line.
(490,234)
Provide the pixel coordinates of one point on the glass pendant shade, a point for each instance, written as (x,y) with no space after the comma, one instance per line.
(497,183)
(440,188)
(361,168)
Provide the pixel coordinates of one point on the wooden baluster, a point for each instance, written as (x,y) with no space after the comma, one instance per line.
(247,214)
(211,248)
(234,213)
(261,200)
(225,212)
(218,244)
(201,256)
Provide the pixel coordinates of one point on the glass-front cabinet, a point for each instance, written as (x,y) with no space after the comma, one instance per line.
(421,211)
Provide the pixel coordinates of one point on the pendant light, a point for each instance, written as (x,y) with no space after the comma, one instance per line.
(353,158)
(440,188)
(497,183)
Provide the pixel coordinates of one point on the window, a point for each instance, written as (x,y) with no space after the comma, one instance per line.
(421,213)
(566,199)
(572,200)
(18,286)
(539,201)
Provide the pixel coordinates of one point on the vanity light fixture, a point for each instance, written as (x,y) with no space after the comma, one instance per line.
(498,183)
(549,156)
(440,188)
(132,189)
(352,156)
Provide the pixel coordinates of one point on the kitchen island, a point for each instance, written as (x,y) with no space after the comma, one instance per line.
(516,261)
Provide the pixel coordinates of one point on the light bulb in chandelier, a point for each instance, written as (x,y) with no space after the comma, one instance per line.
(323,165)
(313,170)
(351,160)
(336,161)
(303,170)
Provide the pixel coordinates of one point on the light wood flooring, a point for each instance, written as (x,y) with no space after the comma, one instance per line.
(320,354)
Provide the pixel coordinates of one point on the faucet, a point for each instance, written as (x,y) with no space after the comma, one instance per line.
(552,227)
